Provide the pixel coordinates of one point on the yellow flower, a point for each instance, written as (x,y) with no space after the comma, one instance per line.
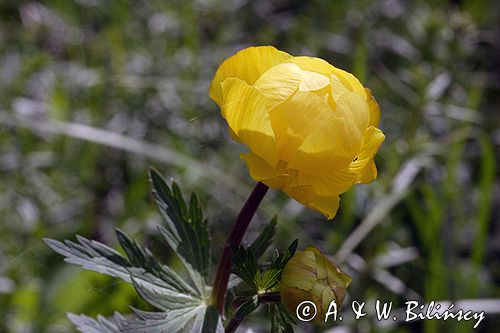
(310,276)
(311,128)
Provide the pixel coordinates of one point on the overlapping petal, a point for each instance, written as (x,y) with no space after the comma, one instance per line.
(279,83)
(331,184)
(295,119)
(322,67)
(263,172)
(326,205)
(352,106)
(331,146)
(337,88)
(312,64)
(244,108)
(312,81)
(368,174)
(350,82)
(372,139)
(361,170)
(247,65)
(373,108)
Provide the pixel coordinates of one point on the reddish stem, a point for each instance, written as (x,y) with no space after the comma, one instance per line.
(235,236)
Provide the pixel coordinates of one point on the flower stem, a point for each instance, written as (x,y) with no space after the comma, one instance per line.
(235,236)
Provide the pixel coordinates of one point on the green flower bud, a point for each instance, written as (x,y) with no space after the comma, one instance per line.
(311,276)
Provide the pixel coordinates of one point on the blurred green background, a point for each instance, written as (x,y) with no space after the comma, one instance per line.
(94,91)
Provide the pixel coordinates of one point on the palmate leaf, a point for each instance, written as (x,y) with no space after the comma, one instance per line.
(185,230)
(184,305)
(100,258)
(184,309)
(139,257)
(191,319)
(86,324)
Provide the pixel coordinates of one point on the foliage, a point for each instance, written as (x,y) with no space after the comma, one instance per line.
(184,301)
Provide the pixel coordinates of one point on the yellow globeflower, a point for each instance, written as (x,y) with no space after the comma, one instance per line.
(311,128)
(310,276)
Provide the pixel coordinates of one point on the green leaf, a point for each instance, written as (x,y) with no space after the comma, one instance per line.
(183,304)
(159,294)
(192,319)
(139,257)
(86,324)
(258,247)
(184,309)
(185,230)
(245,266)
(249,306)
(100,258)
(263,241)
(281,321)
(272,276)
(246,308)
(93,256)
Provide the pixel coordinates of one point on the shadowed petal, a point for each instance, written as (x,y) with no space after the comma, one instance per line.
(295,119)
(244,108)
(368,174)
(327,185)
(332,146)
(372,139)
(373,107)
(263,172)
(328,206)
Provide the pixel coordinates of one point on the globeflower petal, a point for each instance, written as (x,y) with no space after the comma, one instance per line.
(244,108)
(263,172)
(337,88)
(295,119)
(353,106)
(328,206)
(372,139)
(312,64)
(312,81)
(322,67)
(330,147)
(247,65)
(373,108)
(350,82)
(368,174)
(279,82)
(334,183)
(302,194)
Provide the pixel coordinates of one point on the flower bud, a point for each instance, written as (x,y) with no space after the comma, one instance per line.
(311,276)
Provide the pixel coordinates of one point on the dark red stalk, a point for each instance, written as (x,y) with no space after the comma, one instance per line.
(235,236)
